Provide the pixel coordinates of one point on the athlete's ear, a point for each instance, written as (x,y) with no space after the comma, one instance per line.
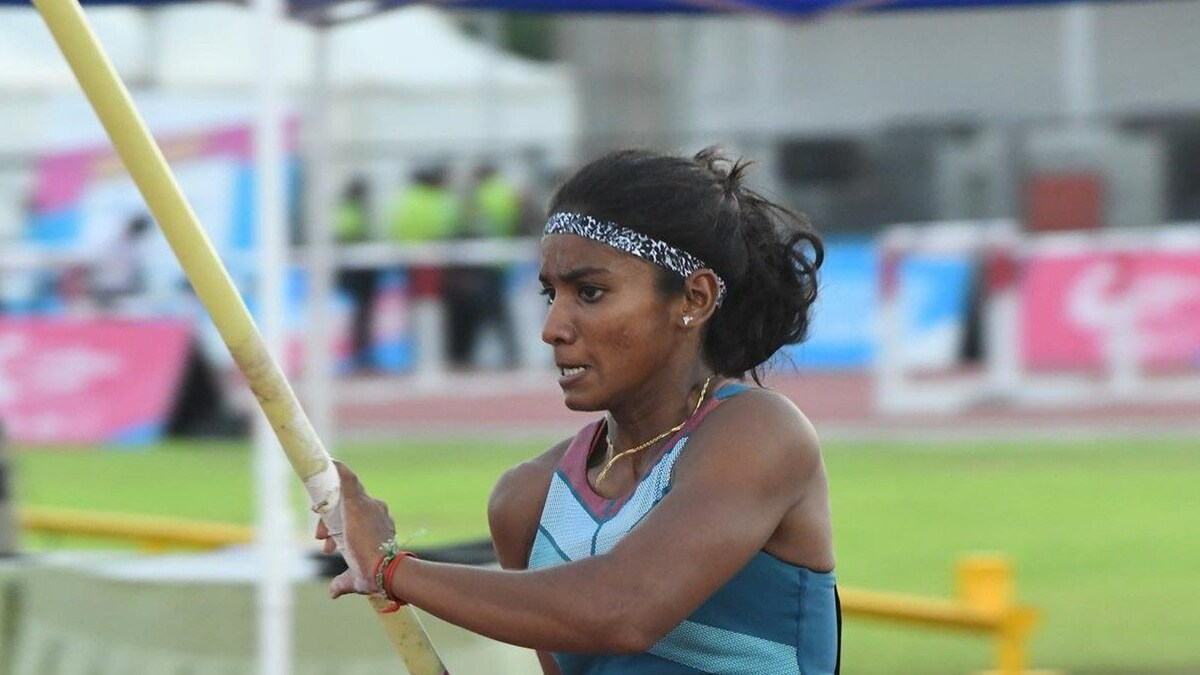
(699,298)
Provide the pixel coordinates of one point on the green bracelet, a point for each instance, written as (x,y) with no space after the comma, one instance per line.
(390,550)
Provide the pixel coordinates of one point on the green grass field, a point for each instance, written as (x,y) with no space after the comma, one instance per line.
(1103,535)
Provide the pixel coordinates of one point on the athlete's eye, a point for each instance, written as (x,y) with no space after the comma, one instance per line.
(590,293)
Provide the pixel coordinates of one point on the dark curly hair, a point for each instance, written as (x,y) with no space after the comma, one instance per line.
(767,254)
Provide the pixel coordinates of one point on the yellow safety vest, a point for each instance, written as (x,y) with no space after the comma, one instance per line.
(496,208)
(351,222)
(423,213)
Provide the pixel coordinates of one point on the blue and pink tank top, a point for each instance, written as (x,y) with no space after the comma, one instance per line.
(771,618)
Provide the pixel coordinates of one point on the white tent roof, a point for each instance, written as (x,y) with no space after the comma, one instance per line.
(420,47)
(29,59)
(406,76)
(211,46)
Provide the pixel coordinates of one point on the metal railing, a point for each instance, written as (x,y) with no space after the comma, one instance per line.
(983,604)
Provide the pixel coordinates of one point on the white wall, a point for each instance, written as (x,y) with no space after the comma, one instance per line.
(851,72)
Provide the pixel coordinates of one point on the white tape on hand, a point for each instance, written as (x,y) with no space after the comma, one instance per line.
(325,495)
(324,490)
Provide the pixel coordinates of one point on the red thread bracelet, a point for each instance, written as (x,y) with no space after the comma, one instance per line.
(388,572)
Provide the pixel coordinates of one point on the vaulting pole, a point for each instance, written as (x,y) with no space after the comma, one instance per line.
(146,165)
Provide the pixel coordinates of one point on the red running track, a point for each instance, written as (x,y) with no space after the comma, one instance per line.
(839,404)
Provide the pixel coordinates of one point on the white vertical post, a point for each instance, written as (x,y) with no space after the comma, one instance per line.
(492,109)
(272,473)
(1001,328)
(1001,312)
(429,327)
(1079,63)
(318,347)
(1123,348)
(889,359)
(495,136)
(1124,373)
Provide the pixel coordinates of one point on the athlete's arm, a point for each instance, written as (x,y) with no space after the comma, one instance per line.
(514,511)
(738,477)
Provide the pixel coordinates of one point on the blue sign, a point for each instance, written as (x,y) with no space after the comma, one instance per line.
(934,296)
(842,333)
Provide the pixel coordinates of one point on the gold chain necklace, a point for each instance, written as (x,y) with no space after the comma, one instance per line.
(613,458)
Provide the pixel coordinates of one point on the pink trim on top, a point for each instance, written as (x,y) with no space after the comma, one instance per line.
(574,461)
(574,466)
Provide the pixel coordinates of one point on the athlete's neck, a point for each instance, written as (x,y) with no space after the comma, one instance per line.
(667,402)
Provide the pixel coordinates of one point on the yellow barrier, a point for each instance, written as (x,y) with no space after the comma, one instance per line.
(152,533)
(983,604)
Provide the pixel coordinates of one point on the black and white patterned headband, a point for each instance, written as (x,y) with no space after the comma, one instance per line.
(634,243)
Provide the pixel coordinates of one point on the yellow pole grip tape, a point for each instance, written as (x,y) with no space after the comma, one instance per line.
(148,168)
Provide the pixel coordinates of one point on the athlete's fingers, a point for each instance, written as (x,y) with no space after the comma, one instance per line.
(342,584)
(351,486)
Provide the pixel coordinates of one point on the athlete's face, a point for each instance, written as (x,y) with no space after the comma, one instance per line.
(610,326)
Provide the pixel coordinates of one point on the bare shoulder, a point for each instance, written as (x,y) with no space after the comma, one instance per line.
(519,481)
(516,505)
(763,422)
(765,414)
(767,406)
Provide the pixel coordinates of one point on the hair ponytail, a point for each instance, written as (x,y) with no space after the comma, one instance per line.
(772,278)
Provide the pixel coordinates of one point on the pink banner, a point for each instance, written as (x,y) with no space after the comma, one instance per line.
(62,177)
(1068,300)
(89,381)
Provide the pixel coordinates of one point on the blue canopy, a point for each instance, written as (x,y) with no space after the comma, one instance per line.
(788,8)
(795,9)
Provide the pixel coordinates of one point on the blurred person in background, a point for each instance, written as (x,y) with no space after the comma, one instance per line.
(118,273)
(494,207)
(687,530)
(426,210)
(352,226)
(477,295)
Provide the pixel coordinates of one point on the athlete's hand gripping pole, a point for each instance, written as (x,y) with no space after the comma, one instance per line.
(145,163)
